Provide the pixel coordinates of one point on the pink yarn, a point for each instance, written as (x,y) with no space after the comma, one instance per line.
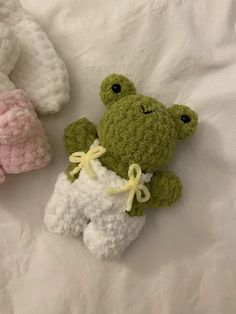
(23,143)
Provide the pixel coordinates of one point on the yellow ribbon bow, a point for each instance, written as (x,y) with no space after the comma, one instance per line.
(84,160)
(133,186)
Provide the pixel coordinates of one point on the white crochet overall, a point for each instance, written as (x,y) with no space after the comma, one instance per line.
(86,206)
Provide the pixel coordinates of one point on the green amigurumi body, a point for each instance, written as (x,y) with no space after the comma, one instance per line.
(135,129)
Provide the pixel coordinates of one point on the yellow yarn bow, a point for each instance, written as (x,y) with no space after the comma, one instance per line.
(133,186)
(84,160)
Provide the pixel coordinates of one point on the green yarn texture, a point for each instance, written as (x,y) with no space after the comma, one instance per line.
(135,129)
(106,93)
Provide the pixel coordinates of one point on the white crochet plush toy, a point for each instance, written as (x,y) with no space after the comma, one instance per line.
(32,78)
(28,60)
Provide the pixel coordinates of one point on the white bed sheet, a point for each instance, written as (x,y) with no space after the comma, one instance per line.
(185,259)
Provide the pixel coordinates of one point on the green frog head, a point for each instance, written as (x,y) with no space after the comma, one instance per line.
(140,129)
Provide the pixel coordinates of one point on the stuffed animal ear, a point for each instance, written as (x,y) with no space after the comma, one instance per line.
(9,54)
(115,87)
(9,49)
(39,70)
(185,120)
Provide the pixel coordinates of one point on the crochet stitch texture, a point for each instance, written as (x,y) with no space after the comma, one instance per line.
(27,55)
(28,62)
(23,143)
(135,129)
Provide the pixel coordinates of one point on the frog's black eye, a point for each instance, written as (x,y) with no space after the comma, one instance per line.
(185,118)
(116,88)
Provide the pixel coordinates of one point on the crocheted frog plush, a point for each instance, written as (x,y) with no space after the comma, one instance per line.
(116,169)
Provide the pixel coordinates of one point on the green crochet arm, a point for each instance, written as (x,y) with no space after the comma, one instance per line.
(79,136)
(165,188)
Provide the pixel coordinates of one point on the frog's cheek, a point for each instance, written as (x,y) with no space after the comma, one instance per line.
(186,120)
(114,87)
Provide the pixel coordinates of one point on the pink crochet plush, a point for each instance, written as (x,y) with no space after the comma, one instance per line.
(23,143)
